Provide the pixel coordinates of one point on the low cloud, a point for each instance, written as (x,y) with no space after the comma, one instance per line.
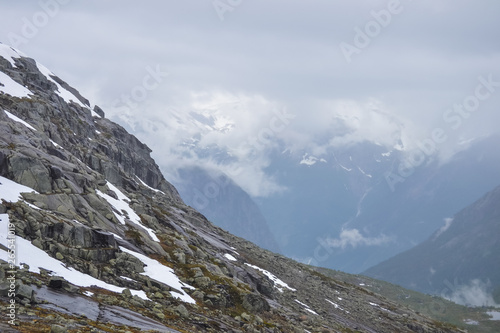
(353,238)
(473,294)
(226,78)
(447,223)
(234,133)
(238,131)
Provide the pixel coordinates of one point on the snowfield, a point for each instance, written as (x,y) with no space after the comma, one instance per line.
(121,205)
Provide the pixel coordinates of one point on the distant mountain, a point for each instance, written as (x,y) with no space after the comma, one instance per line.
(341,213)
(224,203)
(460,260)
(339,210)
(344,206)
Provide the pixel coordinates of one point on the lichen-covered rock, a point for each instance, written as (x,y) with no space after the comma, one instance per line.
(255,303)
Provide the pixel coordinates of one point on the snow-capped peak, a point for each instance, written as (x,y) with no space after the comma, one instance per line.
(310,160)
(9,53)
(13,88)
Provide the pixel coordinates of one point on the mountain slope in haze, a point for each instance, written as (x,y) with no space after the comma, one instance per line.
(342,214)
(222,201)
(336,208)
(102,242)
(460,260)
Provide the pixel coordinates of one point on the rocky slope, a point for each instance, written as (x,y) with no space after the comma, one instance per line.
(471,319)
(103,243)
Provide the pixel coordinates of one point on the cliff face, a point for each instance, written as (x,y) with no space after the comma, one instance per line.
(104,242)
(83,133)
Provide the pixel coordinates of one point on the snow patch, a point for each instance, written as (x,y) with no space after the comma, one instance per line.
(378,306)
(387,154)
(336,306)
(343,167)
(230,257)
(123,209)
(56,144)
(278,284)
(308,160)
(115,235)
(19,120)
(364,173)
(10,54)
(164,274)
(127,278)
(11,191)
(32,206)
(13,88)
(36,258)
(151,188)
(64,93)
(311,160)
(495,315)
(306,307)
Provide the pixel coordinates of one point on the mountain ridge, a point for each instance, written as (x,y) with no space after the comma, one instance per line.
(458,254)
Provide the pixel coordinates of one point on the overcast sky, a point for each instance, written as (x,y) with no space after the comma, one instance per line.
(346,70)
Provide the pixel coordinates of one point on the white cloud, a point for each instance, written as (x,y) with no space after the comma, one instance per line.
(473,294)
(353,238)
(237,131)
(364,121)
(218,130)
(447,223)
(234,73)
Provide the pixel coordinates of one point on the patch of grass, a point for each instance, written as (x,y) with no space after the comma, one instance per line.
(445,314)
(135,236)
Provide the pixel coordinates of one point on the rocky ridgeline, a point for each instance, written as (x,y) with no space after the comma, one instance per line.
(75,158)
